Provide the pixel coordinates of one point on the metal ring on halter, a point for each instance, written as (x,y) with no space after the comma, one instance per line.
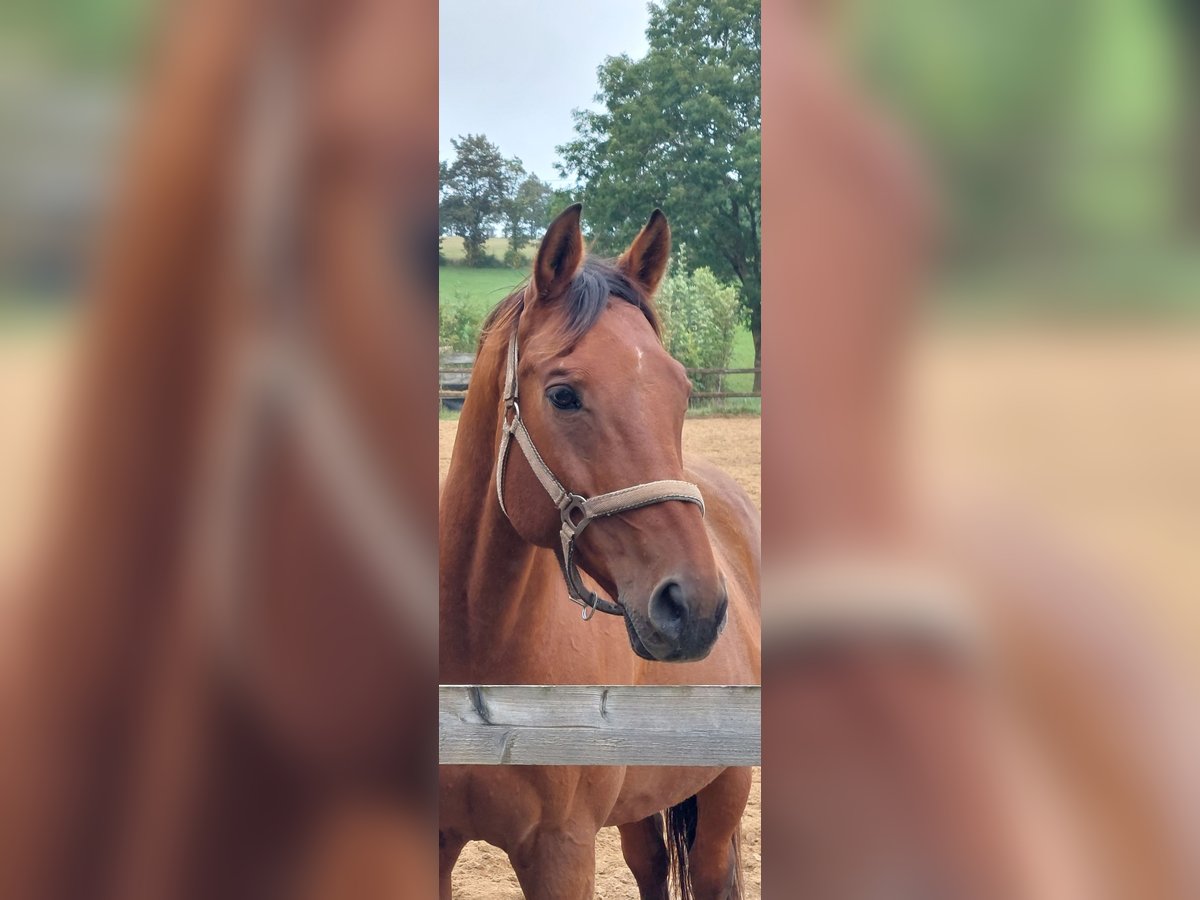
(573,503)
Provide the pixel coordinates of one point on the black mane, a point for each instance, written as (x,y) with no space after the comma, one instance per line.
(584,299)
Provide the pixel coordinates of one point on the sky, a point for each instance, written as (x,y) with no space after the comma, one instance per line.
(514,70)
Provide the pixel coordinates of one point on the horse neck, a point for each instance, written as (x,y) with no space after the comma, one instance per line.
(488,572)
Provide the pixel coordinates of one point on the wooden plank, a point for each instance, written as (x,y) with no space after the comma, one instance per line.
(645,725)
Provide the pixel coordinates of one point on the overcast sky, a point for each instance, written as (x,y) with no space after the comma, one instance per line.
(514,70)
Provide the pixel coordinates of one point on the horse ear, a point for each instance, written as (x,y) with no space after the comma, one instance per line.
(646,259)
(561,253)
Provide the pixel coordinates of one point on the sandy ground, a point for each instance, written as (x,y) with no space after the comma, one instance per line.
(1090,437)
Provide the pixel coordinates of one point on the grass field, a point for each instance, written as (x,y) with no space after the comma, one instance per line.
(481,289)
(452,248)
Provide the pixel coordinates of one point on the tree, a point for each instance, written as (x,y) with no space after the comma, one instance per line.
(529,212)
(680,129)
(475,191)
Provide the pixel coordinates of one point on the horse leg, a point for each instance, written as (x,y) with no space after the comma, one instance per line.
(713,859)
(557,864)
(449,846)
(645,852)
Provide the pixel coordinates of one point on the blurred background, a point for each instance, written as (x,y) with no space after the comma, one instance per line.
(1057,367)
(982,354)
(217,522)
(68,76)
(1064,136)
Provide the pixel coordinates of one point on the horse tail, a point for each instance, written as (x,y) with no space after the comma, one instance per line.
(681,834)
(736,893)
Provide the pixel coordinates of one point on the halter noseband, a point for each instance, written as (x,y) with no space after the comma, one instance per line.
(576,510)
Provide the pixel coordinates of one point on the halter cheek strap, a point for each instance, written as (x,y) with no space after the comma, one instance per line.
(576,511)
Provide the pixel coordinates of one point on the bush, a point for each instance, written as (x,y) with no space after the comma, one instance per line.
(487,261)
(517,259)
(458,327)
(700,317)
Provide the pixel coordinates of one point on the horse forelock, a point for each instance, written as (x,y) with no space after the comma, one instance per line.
(582,302)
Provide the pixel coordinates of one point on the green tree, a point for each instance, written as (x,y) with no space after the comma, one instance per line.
(528,213)
(680,129)
(475,192)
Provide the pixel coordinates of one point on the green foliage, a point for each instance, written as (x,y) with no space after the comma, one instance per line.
(680,129)
(528,214)
(515,259)
(482,190)
(562,198)
(99,37)
(1048,123)
(475,192)
(458,326)
(701,318)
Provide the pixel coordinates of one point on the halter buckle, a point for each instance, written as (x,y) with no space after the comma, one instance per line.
(510,403)
(568,506)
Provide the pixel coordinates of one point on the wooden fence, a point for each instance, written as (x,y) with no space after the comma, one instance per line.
(454,371)
(644,725)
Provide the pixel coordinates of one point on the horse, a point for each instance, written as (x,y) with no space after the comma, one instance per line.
(571,369)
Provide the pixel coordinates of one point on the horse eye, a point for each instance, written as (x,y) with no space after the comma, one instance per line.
(563,397)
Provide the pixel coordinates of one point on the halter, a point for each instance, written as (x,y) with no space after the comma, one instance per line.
(576,510)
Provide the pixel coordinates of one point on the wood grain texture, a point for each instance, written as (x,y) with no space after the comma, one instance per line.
(678,725)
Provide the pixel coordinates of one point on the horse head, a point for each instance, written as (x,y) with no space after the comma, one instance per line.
(601,406)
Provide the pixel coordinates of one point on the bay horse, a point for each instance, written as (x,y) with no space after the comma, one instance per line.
(572,370)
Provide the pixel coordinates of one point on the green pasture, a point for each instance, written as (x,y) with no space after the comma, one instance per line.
(480,289)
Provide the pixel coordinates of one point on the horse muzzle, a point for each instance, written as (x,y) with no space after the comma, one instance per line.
(680,624)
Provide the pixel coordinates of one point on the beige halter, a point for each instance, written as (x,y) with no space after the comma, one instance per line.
(576,511)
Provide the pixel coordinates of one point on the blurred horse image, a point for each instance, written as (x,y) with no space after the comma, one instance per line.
(955,706)
(223,646)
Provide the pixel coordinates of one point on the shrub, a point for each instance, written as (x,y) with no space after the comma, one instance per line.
(458,327)
(517,259)
(700,317)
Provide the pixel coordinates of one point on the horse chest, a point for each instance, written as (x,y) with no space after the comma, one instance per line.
(504,805)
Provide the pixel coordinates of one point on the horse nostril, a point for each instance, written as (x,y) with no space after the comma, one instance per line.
(723,614)
(669,609)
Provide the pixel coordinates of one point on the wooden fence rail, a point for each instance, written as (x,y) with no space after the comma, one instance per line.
(644,725)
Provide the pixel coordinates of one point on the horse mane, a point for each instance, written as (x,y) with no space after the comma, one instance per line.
(583,300)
